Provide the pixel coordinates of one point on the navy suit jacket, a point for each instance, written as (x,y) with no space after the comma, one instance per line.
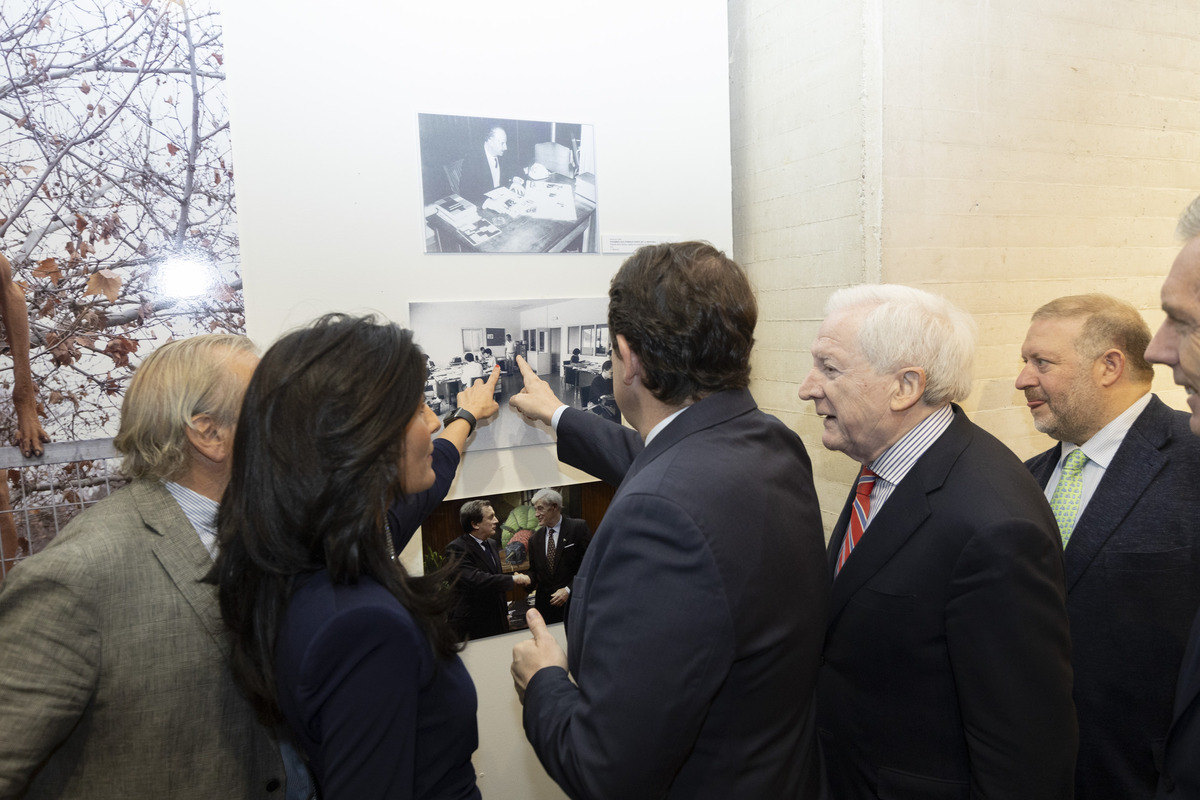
(480,609)
(1133,587)
(947,668)
(476,178)
(696,617)
(573,538)
(1180,779)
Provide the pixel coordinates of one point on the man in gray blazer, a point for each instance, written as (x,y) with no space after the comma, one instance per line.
(1177,344)
(1122,482)
(114,673)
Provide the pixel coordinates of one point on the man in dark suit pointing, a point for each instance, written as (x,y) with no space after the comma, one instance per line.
(947,670)
(696,617)
(555,552)
(1122,483)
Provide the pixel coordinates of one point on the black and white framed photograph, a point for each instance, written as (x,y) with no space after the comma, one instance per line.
(507,186)
(565,341)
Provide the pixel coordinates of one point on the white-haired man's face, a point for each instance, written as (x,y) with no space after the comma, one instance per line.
(1177,343)
(854,399)
(547,513)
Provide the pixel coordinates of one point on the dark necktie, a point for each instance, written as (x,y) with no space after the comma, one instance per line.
(858,516)
(491,557)
(551,550)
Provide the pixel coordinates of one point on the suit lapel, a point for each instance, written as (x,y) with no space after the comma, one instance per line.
(1137,461)
(182,555)
(905,511)
(537,548)
(1042,466)
(473,553)
(712,410)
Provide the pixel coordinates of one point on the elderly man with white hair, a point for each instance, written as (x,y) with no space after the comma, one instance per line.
(555,552)
(947,664)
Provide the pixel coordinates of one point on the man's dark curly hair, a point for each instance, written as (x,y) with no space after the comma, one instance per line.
(688,312)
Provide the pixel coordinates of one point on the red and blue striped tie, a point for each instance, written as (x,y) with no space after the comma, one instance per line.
(858,516)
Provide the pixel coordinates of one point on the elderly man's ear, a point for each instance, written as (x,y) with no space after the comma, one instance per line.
(214,442)
(909,388)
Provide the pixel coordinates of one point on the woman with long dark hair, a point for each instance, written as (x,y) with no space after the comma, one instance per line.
(330,635)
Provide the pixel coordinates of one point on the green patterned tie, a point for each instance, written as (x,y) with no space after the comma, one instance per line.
(1065,503)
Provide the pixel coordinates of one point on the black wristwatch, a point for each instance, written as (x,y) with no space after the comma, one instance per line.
(461,413)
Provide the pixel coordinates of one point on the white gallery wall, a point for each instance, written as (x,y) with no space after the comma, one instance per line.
(324,103)
(324,115)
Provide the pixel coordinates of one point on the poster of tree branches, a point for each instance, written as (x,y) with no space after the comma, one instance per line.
(117,207)
(118,227)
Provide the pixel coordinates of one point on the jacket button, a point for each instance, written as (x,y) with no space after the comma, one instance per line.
(272,784)
(822,659)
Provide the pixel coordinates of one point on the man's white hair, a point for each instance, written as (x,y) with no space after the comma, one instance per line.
(907,327)
(1189,222)
(550,496)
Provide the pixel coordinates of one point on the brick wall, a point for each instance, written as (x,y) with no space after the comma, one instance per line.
(1002,153)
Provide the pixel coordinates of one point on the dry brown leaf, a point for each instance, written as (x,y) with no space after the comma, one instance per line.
(125,62)
(172,149)
(48,268)
(105,282)
(84,87)
(44,22)
(21,123)
(80,222)
(119,348)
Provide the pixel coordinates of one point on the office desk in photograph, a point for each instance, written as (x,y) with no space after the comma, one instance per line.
(447,383)
(523,234)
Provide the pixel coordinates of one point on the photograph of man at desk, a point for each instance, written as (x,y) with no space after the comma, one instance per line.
(464,340)
(507,186)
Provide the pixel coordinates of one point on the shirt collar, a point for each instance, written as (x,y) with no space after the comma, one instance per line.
(1102,447)
(201,511)
(895,462)
(662,424)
